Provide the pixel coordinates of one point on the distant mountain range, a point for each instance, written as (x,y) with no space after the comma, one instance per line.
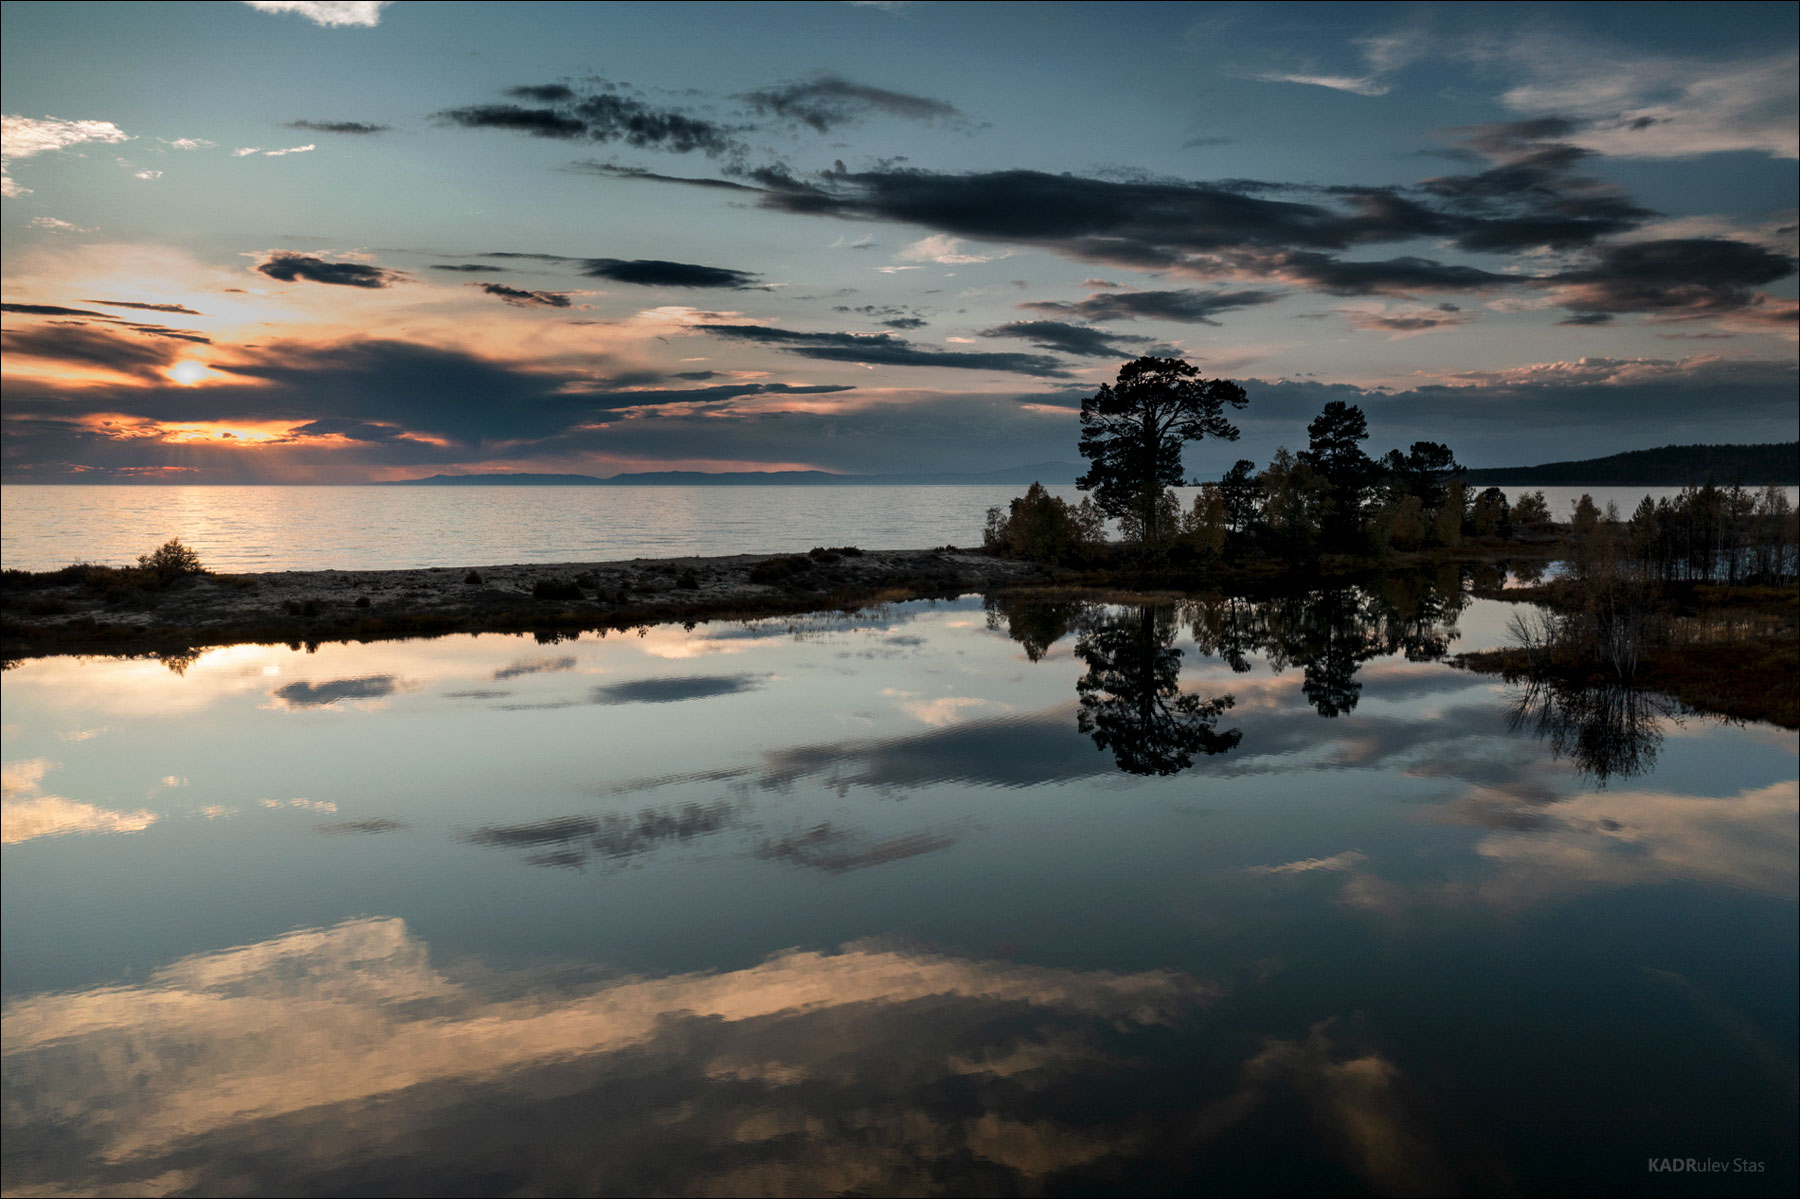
(1047,472)
(1665,466)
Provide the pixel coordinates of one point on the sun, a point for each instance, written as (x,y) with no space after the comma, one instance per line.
(189,372)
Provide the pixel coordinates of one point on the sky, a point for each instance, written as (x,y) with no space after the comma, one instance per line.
(341,242)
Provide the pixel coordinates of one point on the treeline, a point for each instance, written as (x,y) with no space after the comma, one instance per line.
(1331,497)
(1705,534)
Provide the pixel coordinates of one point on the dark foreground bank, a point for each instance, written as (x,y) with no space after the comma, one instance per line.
(88,609)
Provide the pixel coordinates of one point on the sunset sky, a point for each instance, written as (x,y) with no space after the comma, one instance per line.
(318,242)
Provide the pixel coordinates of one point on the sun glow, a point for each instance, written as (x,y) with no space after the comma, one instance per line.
(189,372)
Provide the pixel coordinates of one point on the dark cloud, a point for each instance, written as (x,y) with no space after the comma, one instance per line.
(85,346)
(1588,318)
(519,298)
(467,267)
(315,695)
(1388,276)
(598,117)
(1677,276)
(883,348)
(695,397)
(651,272)
(1530,197)
(675,689)
(537,122)
(542,93)
(289,267)
(51,310)
(1083,341)
(829,101)
(349,428)
(182,309)
(1189,306)
(164,331)
(638,173)
(360,128)
(886,315)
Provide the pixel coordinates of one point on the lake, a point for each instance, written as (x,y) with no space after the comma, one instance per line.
(1247,895)
(255,528)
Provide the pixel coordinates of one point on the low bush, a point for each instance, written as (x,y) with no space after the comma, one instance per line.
(556,589)
(780,569)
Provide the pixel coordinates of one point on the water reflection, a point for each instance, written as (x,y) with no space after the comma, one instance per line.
(577,840)
(1131,697)
(340,1059)
(1609,730)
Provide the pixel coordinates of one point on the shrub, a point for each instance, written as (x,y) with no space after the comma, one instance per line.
(556,589)
(780,569)
(473,578)
(689,581)
(1044,528)
(171,560)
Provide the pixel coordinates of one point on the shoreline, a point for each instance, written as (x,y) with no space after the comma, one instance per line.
(112,611)
(123,611)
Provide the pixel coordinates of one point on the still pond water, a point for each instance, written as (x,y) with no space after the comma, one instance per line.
(1241,897)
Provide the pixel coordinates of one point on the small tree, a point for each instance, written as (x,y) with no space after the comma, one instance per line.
(1532,511)
(1044,528)
(1132,431)
(1492,516)
(171,560)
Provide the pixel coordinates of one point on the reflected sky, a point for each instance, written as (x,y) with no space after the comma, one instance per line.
(860,902)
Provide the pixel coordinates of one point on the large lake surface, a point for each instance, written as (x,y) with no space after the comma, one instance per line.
(253,528)
(1236,896)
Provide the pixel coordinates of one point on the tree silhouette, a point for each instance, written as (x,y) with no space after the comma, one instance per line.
(1335,452)
(1132,431)
(1131,697)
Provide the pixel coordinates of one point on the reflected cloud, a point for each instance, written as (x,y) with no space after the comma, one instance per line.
(342,1059)
(675,689)
(534,666)
(576,840)
(319,695)
(26,813)
(378,824)
(835,850)
(1337,861)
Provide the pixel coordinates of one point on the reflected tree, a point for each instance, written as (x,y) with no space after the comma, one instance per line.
(1035,624)
(1131,697)
(1609,731)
